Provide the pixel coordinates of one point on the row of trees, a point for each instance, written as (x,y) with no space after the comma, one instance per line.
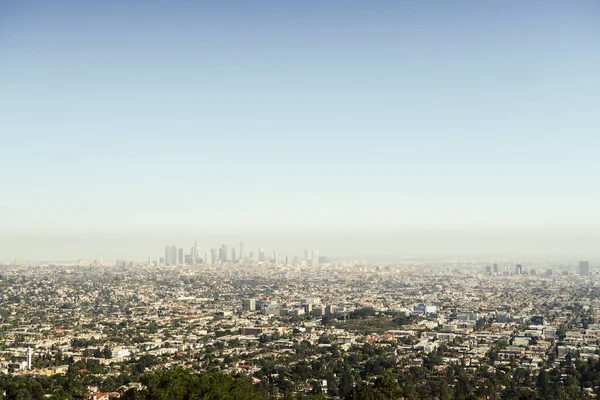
(578,380)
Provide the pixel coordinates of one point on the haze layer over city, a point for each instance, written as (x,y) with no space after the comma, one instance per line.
(357,200)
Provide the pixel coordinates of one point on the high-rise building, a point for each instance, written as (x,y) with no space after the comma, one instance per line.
(306,256)
(261,255)
(242,254)
(233,255)
(213,256)
(584,268)
(194,252)
(224,254)
(249,305)
(315,258)
(488,269)
(170,255)
(180,258)
(495,269)
(518,269)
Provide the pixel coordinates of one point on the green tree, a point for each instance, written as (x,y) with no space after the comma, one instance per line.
(543,384)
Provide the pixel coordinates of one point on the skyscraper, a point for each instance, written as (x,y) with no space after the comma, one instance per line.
(315,258)
(170,255)
(224,254)
(194,252)
(213,256)
(242,254)
(233,255)
(261,255)
(584,268)
(495,269)
(180,258)
(518,269)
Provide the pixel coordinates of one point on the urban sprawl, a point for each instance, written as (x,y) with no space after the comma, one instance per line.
(258,325)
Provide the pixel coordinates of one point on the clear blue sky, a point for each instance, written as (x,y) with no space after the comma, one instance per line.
(299,115)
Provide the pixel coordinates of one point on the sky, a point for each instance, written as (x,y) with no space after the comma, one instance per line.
(299,117)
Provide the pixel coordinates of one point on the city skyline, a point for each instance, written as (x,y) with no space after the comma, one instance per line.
(370,247)
(176,256)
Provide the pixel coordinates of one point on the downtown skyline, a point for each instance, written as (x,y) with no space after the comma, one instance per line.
(383,246)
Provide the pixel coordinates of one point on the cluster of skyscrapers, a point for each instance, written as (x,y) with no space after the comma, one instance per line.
(222,255)
(584,270)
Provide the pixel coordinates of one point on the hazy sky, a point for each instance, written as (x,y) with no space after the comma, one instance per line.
(299,116)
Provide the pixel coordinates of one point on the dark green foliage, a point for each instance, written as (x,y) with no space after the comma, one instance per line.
(182,385)
(164,385)
(368,372)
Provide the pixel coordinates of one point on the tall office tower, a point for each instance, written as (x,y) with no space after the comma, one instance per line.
(207,258)
(180,258)
(306,257)
(488,269)
(584,268)
(213,256)
(286,261)
(518,269)
(170,255)
(224,254)
(295,260)
(194,252)
(242,254)
(261,255)
(275,258)
(315,258)
(495,266)
(233,255)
